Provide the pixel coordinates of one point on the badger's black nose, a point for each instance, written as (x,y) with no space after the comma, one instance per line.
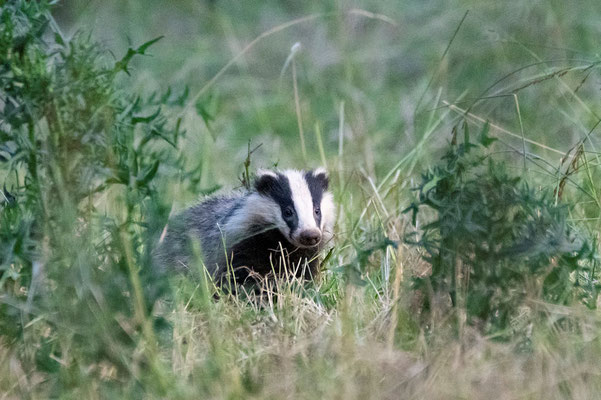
(310,237)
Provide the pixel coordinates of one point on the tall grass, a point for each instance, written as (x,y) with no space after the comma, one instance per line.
(100,143)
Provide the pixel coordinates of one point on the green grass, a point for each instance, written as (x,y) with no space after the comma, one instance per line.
(379,88)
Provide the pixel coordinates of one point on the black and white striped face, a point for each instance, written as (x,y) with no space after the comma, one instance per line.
(306,208)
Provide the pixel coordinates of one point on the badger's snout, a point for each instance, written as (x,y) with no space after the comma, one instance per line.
(309,237)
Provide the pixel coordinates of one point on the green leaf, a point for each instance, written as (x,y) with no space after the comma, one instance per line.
(484,139)
(148,173)
(147,119)
(122,64)
(207,108)
(431,184)
(143,47)
(59,39)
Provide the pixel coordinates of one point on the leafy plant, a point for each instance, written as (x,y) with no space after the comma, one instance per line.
(69,135)
(495,242)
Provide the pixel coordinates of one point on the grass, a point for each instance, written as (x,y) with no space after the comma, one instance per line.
(374,93)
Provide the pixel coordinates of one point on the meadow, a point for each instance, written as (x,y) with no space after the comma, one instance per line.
(462,143)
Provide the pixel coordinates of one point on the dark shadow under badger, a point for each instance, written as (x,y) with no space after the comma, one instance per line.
(279,226)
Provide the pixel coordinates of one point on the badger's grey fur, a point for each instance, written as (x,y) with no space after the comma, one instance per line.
(281,223)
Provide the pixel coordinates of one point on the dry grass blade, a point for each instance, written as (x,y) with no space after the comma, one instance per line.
(268,33)
(481,121)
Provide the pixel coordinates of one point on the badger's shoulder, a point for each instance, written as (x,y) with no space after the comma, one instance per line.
(213,210)
(198,225)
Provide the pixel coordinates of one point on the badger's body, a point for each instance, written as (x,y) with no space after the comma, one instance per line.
(278,226)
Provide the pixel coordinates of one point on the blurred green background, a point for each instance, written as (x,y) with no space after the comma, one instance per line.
(382,59)
(380,89)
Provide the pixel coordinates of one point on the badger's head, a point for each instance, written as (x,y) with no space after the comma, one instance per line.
(301,206)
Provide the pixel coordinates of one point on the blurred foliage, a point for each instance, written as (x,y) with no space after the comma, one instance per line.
(94,155)
(496,243)
(71,138)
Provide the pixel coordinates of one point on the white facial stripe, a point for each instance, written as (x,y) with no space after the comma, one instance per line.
(263,172)
(327,210)
(259,210)
(303,202)
(320,171)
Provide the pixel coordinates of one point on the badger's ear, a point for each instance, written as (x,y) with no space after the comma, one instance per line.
(321,176)
(265,180)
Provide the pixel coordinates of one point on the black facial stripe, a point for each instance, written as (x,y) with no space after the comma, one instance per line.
(279,190)
(283,197)
(316,186)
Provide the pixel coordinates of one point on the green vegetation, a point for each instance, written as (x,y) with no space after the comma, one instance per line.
(463,267)
(496,241)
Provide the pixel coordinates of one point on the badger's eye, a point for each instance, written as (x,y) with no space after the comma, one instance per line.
(288,212)
(317,211)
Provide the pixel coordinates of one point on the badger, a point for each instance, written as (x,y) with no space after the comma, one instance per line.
(278,226)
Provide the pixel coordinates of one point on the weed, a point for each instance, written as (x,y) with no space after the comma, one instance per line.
(70,138)
(495,242)
(90,169)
